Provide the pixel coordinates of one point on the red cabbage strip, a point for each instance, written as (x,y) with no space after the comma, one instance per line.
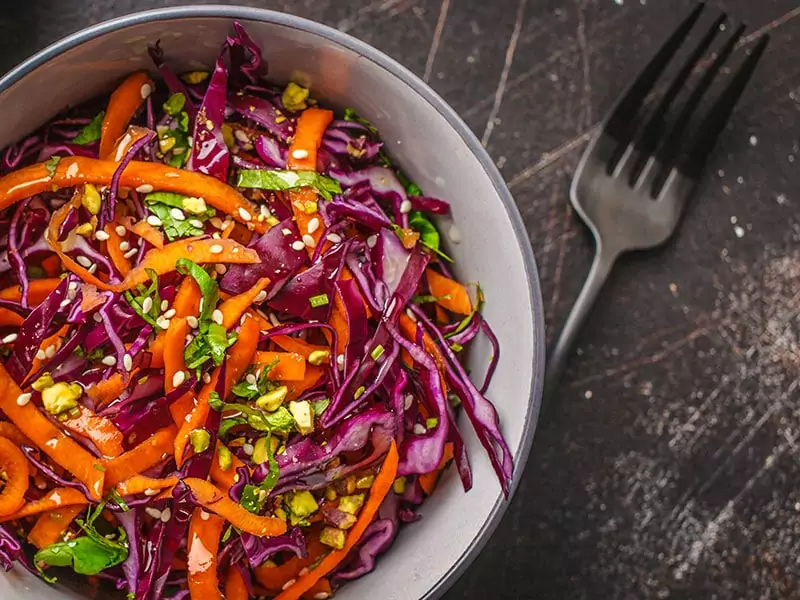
(431,205)
(174,84)
(385,364)
(265,113)
(460,453)
(44,469)
(14,256)
(239,43)
(130,522)
(383,183)
(65,148)
(495,354)
(357,325)
(364,280)
(272,152)
(482,414)
(399,405)
(10,548)
(16,154)
(111,205)
(258,549)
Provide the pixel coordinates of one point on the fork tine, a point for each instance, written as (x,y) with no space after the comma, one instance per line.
(696,157)
(618,124)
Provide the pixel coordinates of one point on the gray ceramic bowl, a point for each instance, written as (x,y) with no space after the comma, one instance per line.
(435,148)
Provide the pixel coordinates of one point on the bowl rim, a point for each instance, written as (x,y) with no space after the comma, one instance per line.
(365,50)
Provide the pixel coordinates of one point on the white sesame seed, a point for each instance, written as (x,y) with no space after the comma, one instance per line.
(248,449)
(298,245)
(288,584)
(166,515)
(164,305)
(178,378)
(334,238)
(454,234)
(73,286)
(220,268)
(130,253)
(147,304)
(145,188)
(154,221)
(264,210)
(124,246)
(274,319)
(146,91)
(244,214)
(162,322)
(372,240)
(177,214)
(92,269)
(23,399)
(196,223)
(109,361)
(216,222)
(97,318)
(313,225)
(100,235)
(127,362)
(217,317)
(216,249)
(189,337)
(286,231)
(419,429)
(40,355)
(65,302)
(10,338)
(206,377)
(120,230)
(235,250)
(204,515)
(250,378)
(153,512)
(50,351)
(241,136)
(188,417)
(322,596)
(300,154)
(84,262)
(308,241)
(192,321)
(170,313)
(405,207)
(150,492)
(409,400)
(260,296)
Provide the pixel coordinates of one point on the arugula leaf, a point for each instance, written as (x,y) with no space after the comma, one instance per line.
(227,424)
(174,104)
(282,180)
(90,133)
(253,497)
(51,165)
(161,203)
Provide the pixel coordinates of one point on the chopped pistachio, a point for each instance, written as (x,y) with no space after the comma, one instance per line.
(330,494)
(303,416)
(166,144)
(399,485)
(364,483)
(302,503)
(310,207)
(351,504)
(272,400)
(91,199)
(44,382)
(84,229)
(346,521)
(224,457)
(200,440)
(333,537)
(272,221)
(350,484)
(317,357)
(227,135)
(294,97)
(281,514)
(61,397)
(260,453)
(195,77)
(196,206)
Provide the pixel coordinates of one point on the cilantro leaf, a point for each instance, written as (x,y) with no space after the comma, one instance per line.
(90,133)
(282,180)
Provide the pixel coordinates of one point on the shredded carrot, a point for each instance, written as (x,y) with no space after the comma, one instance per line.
(16,471)
(106,390)
(216,501)
(274,577)
(52,266)
(64,451)
(122,105)
(133,134)
(321,589)
(174,343)
(187,300)
(138,484)
(38,290)
(77,170)
(147,454)
(298,346)
(9,318)
(234,307)
(101,431)
(313,376)
(156,350)
(51,525)
(290,367)
(12,432)
(55,499)
(145,231)
(304,202)
(205,531)
(54,340)
(380,488)
(117,255)
(224,479)
(451,294)
(428,481)
(338,321)
(235,587)
(307,139)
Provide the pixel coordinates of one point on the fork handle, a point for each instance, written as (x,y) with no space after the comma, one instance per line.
(556,365)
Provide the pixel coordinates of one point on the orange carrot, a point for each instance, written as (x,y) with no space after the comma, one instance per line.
(15,468)
(187,300)
(52,266)
(147,454)
(380,488)
(451,294)
(174,343)
(55,499)
(156,350)
(312,378)
(290,367)
(101,431)
(235,588)
(107,390)
(64,451)
(321,589)
(338,321)
(133,134)
(50,526)
(274,577)
(122,105)
(77,170)
(234,307)
(145,231)
(428,481)
(117,255)
(38,290)
(304,202)
(138,484)
(307,139)
(208,496)
(54,340)
(9,318)
(224,479)
(205,531)
(12,432)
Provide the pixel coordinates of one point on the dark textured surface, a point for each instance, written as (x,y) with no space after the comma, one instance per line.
(669,467)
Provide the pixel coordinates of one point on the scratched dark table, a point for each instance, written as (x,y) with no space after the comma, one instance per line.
(669,467)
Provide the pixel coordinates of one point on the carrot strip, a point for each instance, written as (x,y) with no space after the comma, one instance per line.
(56,499)
(101,431)
(234,307)
(107,390)
(156,350)
(77,170)
(64,451)
(174,343)
(213,499)
(50,526)
(312,377)
(187,300)
(9,318)
(451,294)
(240,357)
(290,367)
(117,255)
(17,472)
(274,577)
(224,479)
(380,488)
(12,432)
(122,105)
(138,484)
(147,454)
(338,321)
(205,531)
(235,587)
(298,346)
(145,231)
(307,139)
(38,290)
(428,481)
(321,589)
(52,266)
(303,202)
(53,340)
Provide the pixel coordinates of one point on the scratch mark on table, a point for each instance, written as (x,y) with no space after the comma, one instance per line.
(501,85)
(548,158)
(381,6)
(586,95)
(772,25)
(562,253)
(437,37)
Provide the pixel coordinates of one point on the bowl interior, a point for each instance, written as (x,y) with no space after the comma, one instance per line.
(434,148)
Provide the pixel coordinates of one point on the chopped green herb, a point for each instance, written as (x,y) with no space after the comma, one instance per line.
(280,421)
(431,422)
(90,133)
(161,205)
(282,180)
(174,104)
(51,165)
(456,347)
(351,115)
(320,300)
(320,406)
(359,392)
(377,352)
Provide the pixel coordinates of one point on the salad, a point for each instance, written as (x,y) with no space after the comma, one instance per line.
(231,344)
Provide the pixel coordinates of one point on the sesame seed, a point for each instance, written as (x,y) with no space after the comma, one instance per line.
(216,249)
(264,210)
(166,515)
(178,378)
(162,322)
(84,262)
(288,584)
(248,449)
(109,361)
(260,296)
(303,572)
(97,318)
(192,321)
(372,240)
(50,351)
(298,245)
(196,223)
(419,429)
(189,337)
(308,241)
(220,268)
(274,320)
(340,360)
(130,253)
(244,214)
(188,417)
(241,136)
(23,399)
(146,91)
(145,188)
(10,338)
(173,175)
(216,222)
(334,238)
(177,214)
(405,207)
(124,246)
(92,269)
(100,235)
(206,377)
(127,362)
(300,154)
(286,231)
(154,221)
(217,317)
(150,492)
(170,313)
(153,512)
(204,515)
(313,225)
(40,355)
(147,304)
(164,305)
(322,596)
(250,378)
(73,286)
(120,230)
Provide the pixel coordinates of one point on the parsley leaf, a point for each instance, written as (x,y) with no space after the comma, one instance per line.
(90,133)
